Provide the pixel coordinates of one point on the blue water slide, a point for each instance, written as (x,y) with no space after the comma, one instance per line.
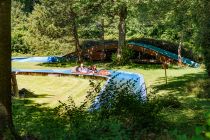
(47,59)
(166,53)
(119,78)
(122,79)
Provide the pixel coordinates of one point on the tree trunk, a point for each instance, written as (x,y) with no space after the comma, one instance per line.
(122,31)
(179,53)
(205,40)
(102,39)
(15,90)
(75,35)
(6,124)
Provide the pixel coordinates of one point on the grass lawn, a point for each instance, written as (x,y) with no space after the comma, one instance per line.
(179,79)
(49,90)
(184,83)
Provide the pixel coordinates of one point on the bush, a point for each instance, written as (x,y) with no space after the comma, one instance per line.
(200,133)
(18,44)
(168,101)
(201,88)
(127,54)
(122,114)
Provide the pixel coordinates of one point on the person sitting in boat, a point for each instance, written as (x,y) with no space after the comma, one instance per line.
(103,72)
(82,68)
(93,69)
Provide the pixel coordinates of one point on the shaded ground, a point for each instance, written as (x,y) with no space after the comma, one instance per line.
(34,120)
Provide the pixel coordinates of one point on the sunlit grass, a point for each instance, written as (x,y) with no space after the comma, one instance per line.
(154,75)
(50,90)
(32,65)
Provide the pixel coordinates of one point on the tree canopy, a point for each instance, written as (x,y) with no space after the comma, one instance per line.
(50,27)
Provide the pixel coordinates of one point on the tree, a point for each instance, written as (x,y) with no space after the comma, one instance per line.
(119,9)
(18,28)
(6,125)
(205,32)
(122,29)
(54,23)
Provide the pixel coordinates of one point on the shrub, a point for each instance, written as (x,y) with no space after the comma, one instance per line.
(200,133)
(122,114)
(127,54)
(205,89)
(18,43)
(168,101)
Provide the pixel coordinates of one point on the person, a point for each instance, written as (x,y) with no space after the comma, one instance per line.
(82,68)
(93,69)
(103,72)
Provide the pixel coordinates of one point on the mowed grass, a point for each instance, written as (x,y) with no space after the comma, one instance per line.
(61,87)
(49,90)
(31,65)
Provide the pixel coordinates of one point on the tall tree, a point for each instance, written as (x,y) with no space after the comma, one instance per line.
(6,124)
(18,27)
(117,9)
(122,29)
(55,20)
(205,32)
(73,17)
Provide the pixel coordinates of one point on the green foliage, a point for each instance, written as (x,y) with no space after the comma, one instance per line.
(44,32)
(205,86)
(169,101)
(204,33)
(159,115)
(28,4)
(207,133)
(36,121)
(18,43)
(200,133)
(49,33)
(18,18)
(122,114)
(127,54)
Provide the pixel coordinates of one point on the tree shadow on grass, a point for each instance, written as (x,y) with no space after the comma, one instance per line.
(59,64)
(179,84)
(44,123)
(132,66)
(193,108)
(25,93)
(107,65)
(149,66)
(31,119)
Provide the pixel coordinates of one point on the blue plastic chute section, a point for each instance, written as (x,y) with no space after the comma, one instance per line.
(166,53)
(119,78)
(43,71)
(47,59)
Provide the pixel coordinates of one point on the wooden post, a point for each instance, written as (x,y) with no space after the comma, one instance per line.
(179,54)
(166,76)
(165,66)
(14,85)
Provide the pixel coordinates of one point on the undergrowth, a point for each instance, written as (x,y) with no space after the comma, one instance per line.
(120,114)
